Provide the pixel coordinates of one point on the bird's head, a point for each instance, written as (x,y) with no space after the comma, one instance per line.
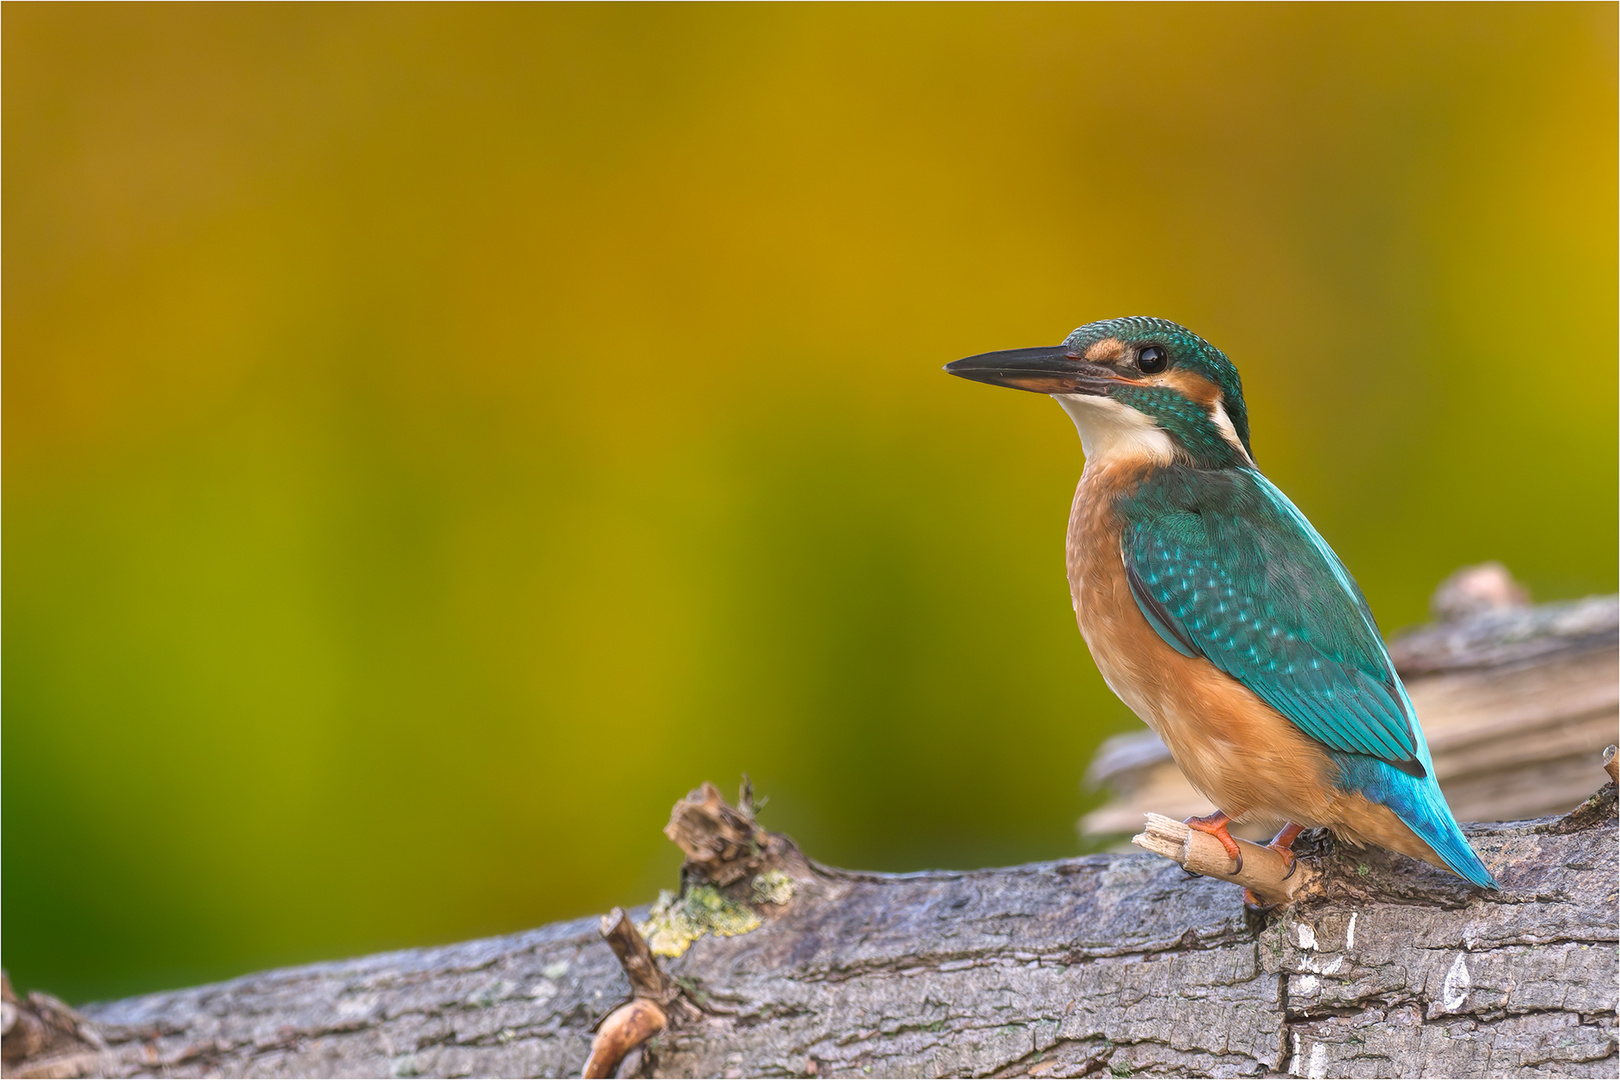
(1137,388)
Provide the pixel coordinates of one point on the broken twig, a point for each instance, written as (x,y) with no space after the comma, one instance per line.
(722,842)
(1264,872)
(647,979)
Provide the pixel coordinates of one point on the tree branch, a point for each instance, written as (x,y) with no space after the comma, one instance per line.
(767,964)
(1085,966)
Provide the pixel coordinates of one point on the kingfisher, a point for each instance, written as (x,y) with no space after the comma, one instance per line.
(1215,610)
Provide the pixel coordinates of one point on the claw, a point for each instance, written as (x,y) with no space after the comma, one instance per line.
(1215,825)
(1283,845)
(1255,902)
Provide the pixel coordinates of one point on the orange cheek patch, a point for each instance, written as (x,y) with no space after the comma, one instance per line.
(1191,386)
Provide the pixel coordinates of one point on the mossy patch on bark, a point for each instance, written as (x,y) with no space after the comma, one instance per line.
(677,921)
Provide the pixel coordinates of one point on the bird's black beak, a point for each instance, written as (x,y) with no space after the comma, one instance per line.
(1050,370)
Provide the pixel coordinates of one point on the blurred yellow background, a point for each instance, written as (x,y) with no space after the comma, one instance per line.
(437,437)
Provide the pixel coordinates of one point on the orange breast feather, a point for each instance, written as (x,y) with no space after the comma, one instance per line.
(1247,758)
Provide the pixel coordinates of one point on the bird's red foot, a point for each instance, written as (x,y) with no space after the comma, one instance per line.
(1215,824)
(1283,844)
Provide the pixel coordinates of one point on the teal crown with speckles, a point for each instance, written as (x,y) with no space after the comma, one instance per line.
(1187,350)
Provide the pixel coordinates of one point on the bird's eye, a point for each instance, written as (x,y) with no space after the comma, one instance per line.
(1152,360)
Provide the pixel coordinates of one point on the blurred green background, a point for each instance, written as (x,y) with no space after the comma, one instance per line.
(437,437)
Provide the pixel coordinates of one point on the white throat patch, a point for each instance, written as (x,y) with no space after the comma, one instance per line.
(1111,432)
(1229,432)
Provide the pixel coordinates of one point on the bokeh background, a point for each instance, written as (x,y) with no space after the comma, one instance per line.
(437,437)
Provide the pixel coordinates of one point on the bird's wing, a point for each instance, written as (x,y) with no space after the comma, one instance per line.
(1224,566)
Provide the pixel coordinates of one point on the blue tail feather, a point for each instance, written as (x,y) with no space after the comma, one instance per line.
(1420,804)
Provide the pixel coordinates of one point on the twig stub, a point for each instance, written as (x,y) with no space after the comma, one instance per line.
(647,979)
(647,1011)
(1264,872)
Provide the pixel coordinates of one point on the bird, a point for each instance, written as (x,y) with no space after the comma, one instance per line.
(1216,611)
